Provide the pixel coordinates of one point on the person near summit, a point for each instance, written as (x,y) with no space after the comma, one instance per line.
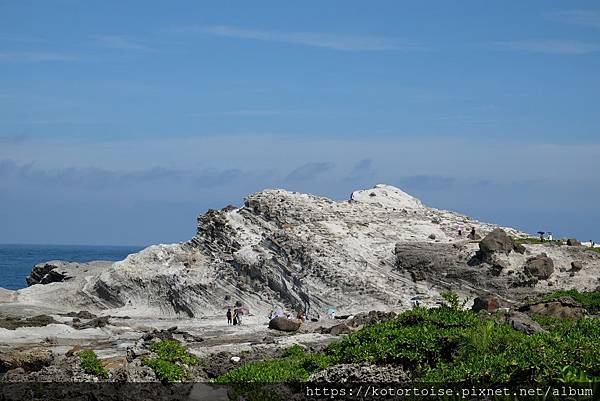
(228,315)
(235,317)
(472,234)
(460,230)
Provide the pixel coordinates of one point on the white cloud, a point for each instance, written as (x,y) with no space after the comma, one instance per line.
(38,57)
(576,17)
(551,46)
(323,40)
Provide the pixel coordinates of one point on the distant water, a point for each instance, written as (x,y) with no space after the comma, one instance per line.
(16,261)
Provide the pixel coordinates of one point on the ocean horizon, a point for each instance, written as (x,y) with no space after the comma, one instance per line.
(17,260)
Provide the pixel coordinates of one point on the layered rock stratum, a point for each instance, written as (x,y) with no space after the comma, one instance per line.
(380,250)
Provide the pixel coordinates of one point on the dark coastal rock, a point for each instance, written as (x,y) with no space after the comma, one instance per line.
(496,241)
(48,272)
(80,315)
(486,302)
(573,242)
(12,323)
(101,321)
(284,324)
(540,266)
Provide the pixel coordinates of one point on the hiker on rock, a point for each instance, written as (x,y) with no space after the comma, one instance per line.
(472,234)
(235,317)
(228,315)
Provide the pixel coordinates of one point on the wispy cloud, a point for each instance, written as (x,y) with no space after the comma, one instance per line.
(314,39)
(551,46)
(309,171)
(576,17)
(32,57)
(121,43)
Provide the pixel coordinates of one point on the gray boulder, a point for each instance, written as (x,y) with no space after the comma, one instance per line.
(573,242)
(540,266)
(339,329)
(522,322)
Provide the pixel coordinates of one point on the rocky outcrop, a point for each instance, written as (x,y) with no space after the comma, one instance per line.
(573,242)
(487,303)
(564,308)
(29,360)
(48,272)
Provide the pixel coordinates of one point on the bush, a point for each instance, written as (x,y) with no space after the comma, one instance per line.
(91,364)
(171,364)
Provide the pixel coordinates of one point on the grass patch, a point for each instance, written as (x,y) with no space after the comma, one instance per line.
(537,241)
(295,366)
(91,364)
(173,359)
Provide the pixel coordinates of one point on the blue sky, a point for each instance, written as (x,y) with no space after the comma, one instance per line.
(119,123)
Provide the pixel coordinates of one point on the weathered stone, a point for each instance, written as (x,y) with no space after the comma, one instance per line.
(284,324)
(487,303)
(29,360)
(576,266)
(540,266)
(522,322)
(573,242)
(496,241)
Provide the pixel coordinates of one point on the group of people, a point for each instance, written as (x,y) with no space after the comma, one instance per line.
(461,229)
(234,317)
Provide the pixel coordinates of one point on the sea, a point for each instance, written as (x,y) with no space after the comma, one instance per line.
(16,261)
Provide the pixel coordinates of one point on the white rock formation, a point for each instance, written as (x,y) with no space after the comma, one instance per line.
(280,249)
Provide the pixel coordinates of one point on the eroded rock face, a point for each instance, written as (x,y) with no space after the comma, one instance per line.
(565,307)
(486,302)
(29,360)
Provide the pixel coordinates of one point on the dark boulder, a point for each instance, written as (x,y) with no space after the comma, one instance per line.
(573,242)
(284,324)
(48,272)
(487,303)
(576,266)
(496,241)
(540,266)
(371,317)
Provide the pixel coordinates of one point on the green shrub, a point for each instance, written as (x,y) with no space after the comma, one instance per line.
(91,364)
(295,366)
(172,361)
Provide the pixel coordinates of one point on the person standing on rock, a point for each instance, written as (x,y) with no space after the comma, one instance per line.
(235,317)
(472,234)
(460,230)
(228,315)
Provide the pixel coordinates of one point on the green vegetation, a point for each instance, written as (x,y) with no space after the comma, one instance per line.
(295,366)
(91,364)
(589,300)
(172,361)
(452,345)
(537,241)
